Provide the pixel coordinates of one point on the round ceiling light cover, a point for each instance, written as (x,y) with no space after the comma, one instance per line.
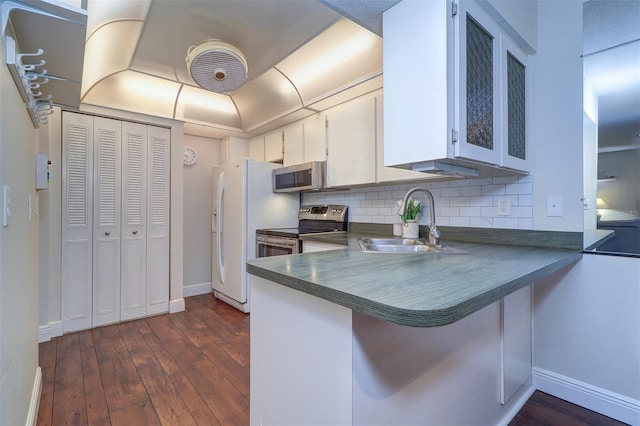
(217,66)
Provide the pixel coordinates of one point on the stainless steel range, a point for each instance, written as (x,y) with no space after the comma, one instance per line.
(312,219)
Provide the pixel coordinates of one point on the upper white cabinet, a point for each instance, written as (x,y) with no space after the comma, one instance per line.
(274,146)
(351,135)
(293,144)
(455,89)
(315,138)
(256,148)
(233,149)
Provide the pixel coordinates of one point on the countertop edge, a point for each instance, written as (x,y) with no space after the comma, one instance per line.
(413,318)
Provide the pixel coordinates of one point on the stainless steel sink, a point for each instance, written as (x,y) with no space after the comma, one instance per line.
(401,245)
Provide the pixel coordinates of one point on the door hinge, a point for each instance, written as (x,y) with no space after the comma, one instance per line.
(454,136)
(454,9)
(326,123)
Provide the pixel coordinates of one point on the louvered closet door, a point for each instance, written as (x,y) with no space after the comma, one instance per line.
(158,179)
(106,240)
(133,254)
(77,228)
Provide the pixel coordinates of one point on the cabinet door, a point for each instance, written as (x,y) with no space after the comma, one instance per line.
(134,257)
(77,221)
(315,138)
(158,178)
(273,147)
(351,143)
(477,117)
(388,174)
(106,230)
(515,74)
(293,145)
(256,148)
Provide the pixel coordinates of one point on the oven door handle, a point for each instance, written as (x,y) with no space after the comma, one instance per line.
(220,225)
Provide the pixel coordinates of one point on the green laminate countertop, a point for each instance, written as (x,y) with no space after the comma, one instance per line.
(414,289)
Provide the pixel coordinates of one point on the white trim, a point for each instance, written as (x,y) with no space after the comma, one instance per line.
(49,331)
(594,398)
(196,289)
(34,405)
(517,404)
(176,305)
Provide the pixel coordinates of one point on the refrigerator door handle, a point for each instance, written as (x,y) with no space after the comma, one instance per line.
(220,224)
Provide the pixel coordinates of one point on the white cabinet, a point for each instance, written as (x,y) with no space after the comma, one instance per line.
(293,143)
(274,147)
(389,174)
(115,214)
(256,148)
(233,149)
(454,88)
(315,138)
(351,133)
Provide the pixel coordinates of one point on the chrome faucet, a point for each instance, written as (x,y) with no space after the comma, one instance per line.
(434,234)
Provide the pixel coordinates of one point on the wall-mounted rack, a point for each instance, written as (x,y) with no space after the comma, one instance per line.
(29,77)
(32,29)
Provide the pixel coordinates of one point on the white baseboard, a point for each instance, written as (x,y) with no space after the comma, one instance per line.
(518,402)
(34,404)
(49,331)
(176,305)
(196,289)
(594,398)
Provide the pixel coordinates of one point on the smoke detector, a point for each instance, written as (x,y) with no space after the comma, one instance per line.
(217,66)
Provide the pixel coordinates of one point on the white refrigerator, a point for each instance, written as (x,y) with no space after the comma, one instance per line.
(243,201)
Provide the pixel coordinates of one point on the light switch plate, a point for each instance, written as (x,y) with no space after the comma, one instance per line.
(554,205)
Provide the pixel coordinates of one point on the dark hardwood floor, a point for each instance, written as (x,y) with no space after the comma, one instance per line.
(186,368)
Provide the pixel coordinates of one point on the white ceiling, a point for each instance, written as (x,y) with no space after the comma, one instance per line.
(302,57)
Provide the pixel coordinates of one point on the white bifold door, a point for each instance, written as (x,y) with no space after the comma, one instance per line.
(115,220)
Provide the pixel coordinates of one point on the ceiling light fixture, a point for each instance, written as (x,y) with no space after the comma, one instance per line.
(217,66)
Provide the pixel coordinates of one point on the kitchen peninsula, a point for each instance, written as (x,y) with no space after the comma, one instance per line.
(347,337)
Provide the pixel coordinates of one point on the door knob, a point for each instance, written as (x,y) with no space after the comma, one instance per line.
(135,231)
(107,233)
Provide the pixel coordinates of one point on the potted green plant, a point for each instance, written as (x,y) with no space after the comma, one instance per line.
(410,227)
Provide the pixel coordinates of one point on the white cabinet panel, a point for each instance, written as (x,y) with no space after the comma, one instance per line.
(351,143)
(106,280)
(256,148)
(273,147)
(134,270)
(516,342)
(315,138)
(293,144)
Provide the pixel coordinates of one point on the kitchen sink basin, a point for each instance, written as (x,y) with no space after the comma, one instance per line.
(401,245)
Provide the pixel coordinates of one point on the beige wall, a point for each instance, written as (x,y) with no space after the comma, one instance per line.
(18,257)
(198,187)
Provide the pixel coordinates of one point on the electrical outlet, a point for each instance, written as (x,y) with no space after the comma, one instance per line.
(554,205)
(504,206)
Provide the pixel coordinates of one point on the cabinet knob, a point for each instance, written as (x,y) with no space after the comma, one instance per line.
(107,233)
(135,231)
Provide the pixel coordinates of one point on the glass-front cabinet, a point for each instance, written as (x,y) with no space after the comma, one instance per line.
(455,87)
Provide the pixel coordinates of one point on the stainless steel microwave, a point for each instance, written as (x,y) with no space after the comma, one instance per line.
(301,177)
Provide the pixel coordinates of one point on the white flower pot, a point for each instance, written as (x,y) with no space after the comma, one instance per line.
(410,229)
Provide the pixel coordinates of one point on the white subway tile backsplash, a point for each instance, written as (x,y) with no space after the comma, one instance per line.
(463,202)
